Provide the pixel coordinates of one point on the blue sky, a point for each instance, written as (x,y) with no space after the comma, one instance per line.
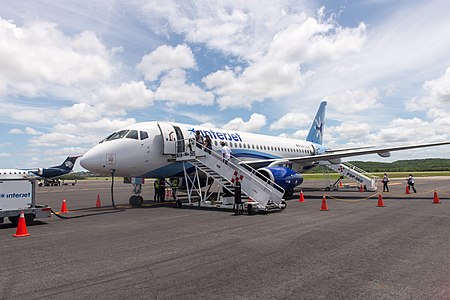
(71,72)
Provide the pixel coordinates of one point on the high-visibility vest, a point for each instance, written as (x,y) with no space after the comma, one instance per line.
(175,183)
(156,183)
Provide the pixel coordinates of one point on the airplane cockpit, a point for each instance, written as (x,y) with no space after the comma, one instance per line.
(126,133)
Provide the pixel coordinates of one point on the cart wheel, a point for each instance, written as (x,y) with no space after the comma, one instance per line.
(29,219)
(14,220)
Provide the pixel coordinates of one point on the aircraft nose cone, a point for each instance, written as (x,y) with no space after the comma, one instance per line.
(91,161)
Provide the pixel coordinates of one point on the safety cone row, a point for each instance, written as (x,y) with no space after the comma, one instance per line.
(302,197)
(324,206)
(436,198)
(380,201)
(98,203)
(21,227)
(64,207)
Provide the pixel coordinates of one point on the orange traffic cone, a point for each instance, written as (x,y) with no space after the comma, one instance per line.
(98,203)
(436,198)
(21,227)
(340,183)
(407,190)
(64,207)
(324,206)
(361,188)
(380,201)
(302,197)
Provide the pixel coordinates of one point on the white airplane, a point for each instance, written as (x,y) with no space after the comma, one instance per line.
(40,173)
(145,150)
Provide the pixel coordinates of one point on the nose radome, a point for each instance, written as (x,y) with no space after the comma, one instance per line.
(91,160)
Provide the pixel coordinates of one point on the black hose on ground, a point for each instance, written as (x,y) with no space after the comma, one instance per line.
(112,188)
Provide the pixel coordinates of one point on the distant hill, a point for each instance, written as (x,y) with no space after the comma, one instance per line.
(413,165)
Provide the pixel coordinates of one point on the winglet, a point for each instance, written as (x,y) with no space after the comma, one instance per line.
(315,134)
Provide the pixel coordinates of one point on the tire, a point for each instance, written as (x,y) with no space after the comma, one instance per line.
(132,201)
(14,220)
(29,219)
(289,192)
(283,204)
(136,201)
(139,201)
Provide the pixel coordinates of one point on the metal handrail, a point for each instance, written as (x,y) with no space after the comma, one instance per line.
(251,172)
(353,167)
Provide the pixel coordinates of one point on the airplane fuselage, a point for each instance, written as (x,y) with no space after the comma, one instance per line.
(143,154)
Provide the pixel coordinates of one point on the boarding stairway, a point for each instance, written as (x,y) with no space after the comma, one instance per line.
(260,192)
(362,178)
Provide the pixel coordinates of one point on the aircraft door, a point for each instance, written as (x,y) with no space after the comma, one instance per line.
(315,151)
(180,140)
(169,138)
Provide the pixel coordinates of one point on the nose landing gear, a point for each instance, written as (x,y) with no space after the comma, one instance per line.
(136,200)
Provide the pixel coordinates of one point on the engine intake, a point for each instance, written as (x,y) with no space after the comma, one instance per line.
(287,178)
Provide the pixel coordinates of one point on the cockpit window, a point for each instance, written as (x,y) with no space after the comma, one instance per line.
(144,135)
(133,134)
(117,135)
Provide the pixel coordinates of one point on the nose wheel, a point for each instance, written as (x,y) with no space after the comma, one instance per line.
(136,201)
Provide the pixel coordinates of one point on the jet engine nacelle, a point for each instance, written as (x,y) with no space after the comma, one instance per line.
(287,178)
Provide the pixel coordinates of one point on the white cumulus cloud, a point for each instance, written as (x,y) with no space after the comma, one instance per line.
(37,58)
(350,101)
(117,100)
(165,58)
(175,90)
(254,124)
(292,120)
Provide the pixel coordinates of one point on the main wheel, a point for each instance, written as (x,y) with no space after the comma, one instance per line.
(283,204)
(29,219)
(289,192)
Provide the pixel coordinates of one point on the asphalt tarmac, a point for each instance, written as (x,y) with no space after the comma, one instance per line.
(353,251)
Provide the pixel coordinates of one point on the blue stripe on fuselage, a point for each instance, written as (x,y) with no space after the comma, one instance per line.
(176,169)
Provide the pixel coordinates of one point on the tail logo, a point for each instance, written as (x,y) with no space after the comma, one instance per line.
(68,164)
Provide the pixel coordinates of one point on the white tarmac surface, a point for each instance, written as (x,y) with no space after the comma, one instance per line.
(353,251)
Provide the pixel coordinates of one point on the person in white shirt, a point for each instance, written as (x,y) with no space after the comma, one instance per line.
(385,181)
(226,152)
(410,181)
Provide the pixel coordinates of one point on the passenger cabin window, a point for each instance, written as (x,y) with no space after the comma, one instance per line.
(117,135)
(133,134)
(144,135)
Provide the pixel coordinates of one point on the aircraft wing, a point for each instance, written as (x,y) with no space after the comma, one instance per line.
(330,155)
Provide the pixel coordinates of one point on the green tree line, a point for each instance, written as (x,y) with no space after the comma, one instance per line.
(413,165)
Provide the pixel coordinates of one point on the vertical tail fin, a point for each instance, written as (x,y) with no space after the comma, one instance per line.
(315,134)
(68,163)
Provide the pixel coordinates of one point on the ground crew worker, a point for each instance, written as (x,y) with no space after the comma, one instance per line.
(410,180)
(156,186)
(174,186)
(385,181)
(162,189)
